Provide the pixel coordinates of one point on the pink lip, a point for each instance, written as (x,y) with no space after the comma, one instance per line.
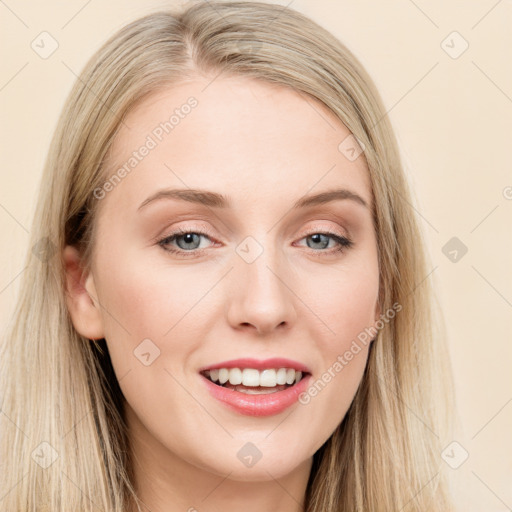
(274,362)
(257,405)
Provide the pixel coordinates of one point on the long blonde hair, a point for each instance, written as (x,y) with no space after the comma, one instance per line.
(64,442)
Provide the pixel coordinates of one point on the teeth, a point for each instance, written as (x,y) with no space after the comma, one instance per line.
(250,377)
(281,376)
(223,375)
(235,376)
(268,378)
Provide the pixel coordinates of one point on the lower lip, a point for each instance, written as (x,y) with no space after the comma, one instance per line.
(258,405)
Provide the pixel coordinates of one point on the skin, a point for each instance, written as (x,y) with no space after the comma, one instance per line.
(265,147)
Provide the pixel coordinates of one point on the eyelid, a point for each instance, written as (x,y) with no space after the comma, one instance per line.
(343,243)
(205,230)
(325,229)
(197,228)
(327,226)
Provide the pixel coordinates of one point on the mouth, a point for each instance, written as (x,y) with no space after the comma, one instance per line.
(252,381)
(257,387)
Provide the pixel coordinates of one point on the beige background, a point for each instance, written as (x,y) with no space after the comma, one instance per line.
(453,118)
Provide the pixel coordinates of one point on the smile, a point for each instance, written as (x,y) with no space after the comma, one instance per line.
(257,391)
(251,380)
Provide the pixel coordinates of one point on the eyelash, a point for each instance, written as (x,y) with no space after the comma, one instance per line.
(343,242)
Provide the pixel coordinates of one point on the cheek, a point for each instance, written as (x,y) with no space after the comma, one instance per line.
(147,299)
(344,299)
(346,306)
(132,312)
(148,314)
(144,297)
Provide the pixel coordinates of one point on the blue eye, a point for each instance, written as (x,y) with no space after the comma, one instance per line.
(191,239)
(323,239)
(188,242)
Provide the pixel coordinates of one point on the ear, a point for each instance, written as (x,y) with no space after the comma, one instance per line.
(81,297)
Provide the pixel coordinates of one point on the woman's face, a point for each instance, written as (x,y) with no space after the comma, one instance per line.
(256,278)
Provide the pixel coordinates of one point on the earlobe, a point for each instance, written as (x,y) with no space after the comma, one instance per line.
(81,298)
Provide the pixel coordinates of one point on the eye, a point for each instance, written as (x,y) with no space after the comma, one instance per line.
(188,241)
(321,240)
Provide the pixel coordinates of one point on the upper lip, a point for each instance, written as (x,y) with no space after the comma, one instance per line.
(259,364)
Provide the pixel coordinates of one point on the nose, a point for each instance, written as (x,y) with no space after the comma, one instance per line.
(261,298)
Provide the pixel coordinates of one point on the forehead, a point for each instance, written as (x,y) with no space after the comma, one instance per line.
(240,136)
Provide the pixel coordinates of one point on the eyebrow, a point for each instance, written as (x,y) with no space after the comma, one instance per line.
(216,200)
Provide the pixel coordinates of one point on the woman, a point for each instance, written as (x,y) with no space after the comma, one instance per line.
(226,305)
